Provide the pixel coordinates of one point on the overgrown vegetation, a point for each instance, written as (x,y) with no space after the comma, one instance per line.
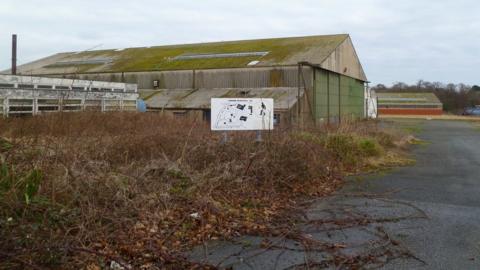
(85,190)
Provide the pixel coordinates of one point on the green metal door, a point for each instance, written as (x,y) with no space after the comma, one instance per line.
(337,95)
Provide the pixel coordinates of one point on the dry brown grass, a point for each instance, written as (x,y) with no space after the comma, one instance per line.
(81,190)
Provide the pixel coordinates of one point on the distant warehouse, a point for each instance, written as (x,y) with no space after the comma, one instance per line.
(311,79)
(409,104)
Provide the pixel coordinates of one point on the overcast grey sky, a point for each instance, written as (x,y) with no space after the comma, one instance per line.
(396,40)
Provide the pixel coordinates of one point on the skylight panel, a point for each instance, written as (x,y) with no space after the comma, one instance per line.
(253,63)
(219,55)
(97,61)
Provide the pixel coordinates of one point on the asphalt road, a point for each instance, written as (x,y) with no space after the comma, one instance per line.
(425,216)
(445,183)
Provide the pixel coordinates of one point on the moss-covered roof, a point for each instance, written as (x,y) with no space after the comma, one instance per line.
(281,51)
(403,98)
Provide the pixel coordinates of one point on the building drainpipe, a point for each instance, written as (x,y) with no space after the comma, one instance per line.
(339,100)
(328,98)
(314,90)
(367,98)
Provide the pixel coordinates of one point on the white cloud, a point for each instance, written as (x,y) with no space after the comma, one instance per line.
(396,40)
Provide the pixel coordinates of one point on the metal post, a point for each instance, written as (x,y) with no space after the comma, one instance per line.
(83,103)
(5,107)
(307,99)
(60,103)
(259,136)
(14,54)
(35,106)
(314,90)
(224,138)
(299,109)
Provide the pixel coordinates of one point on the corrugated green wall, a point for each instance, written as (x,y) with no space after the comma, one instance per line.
(321,108)
(337,95)
(352,97)
(333,89)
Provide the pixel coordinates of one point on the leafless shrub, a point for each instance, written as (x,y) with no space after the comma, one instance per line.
(85,189)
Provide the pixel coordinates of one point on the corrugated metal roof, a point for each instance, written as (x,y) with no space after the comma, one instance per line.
(400,98)
(284,98)
(278,51)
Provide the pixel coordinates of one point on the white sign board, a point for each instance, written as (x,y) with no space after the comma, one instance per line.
(242,114)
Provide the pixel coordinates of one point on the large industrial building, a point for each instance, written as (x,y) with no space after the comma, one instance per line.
(311,79)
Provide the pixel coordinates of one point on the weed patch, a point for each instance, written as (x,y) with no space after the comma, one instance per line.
(5,145)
